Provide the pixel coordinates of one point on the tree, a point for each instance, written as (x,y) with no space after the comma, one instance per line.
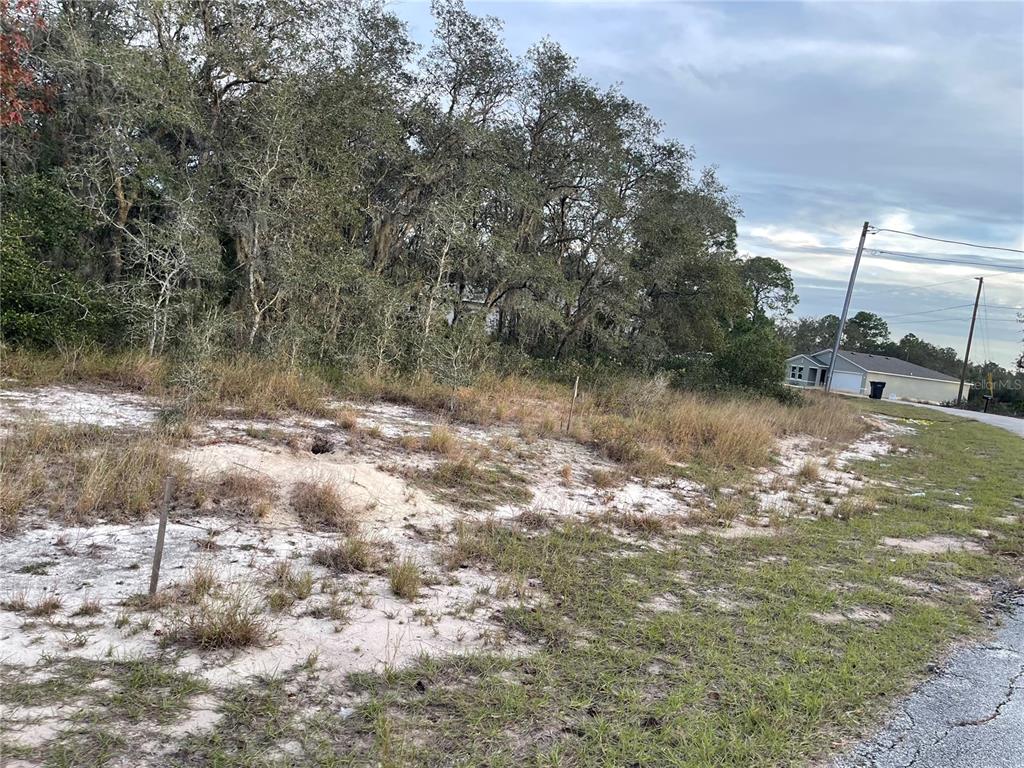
(867,332)
(809,334)
(23,92)
(770,285)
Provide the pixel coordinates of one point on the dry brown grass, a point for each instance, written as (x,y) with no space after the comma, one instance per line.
(262,388)
(74,365)
(47,605)
(809,471)
(604,479)
(641,423)
(82,473)
(442,441)
(320,507)
(566,474)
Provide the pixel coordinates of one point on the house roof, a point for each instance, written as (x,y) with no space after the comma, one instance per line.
(891,365)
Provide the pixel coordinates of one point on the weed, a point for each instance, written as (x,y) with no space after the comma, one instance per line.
(16,602)
(475,486)
(47,605)
(279,600)
(200,583)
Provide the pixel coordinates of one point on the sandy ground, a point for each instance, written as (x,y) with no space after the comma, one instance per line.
(371,465)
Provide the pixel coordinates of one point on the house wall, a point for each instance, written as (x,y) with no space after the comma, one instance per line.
(912,388)
(810,367)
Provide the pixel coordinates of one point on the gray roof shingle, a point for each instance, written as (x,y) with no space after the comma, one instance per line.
(892,365)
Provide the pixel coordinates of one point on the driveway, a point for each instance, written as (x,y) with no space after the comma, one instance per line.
(1009,423)
(971,713)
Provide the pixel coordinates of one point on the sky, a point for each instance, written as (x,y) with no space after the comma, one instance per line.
(821,116)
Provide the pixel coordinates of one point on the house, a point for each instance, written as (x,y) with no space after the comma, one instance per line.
(855,371)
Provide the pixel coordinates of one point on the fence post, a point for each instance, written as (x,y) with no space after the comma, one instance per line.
(575,392)
(158,553)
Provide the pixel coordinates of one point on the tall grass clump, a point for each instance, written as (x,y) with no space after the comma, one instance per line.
(354,555)
(84,472)
(642,423)
(405,578)
(320,507)
(234,622)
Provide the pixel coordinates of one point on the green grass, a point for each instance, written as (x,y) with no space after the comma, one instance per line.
(134,692)
(473,485)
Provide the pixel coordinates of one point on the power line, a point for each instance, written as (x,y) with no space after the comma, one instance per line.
(943,240)
(932,311)
(880,252)
(904,288)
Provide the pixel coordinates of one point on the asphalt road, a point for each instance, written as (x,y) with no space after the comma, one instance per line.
(1009,423)
(971,713)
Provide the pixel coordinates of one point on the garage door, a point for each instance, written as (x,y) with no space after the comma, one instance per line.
(847,382)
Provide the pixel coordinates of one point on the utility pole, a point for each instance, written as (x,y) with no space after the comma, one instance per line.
(846,309)
(970,337)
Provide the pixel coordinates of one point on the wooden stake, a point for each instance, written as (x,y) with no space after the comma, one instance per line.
(158,553)
(575,392)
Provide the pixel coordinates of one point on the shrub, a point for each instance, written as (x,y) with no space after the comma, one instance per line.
(40,219)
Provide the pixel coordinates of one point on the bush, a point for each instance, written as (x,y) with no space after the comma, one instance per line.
(42,305)
(754,357)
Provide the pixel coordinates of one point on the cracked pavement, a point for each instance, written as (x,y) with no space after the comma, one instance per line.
(970,713)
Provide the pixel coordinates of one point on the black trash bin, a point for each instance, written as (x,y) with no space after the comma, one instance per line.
(876,389)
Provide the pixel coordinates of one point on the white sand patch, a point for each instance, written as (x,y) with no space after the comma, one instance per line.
(66,405)
(784,492)
(870,615)
(111,563)
(384,503)
(933,545)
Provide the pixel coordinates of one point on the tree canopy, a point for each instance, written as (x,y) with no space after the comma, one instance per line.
(298,177)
